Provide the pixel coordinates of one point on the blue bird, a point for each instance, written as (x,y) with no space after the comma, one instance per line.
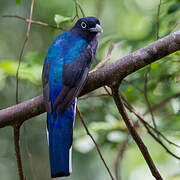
(64,74)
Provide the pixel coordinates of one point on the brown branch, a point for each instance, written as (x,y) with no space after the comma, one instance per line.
(149,69)
(80,7)
(121,150)
(22,50)
(17,151)
(102,63)
(148,127)
(121,68)
(89,134)
(157,20)
(108,74)
(17,126)
(146,96)
(33,22)
(134,134)
(77,4)
(93,96)
(162,144)
(76,8)
(21,112)
(107,58)
(107,90)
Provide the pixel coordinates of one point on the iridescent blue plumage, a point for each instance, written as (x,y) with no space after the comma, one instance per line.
(64,74)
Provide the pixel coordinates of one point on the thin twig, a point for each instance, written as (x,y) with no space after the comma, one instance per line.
(134,85)
(18,152)
(102,63)
(149,69)
(140,117)
(107,90)
(157,20)
(119,69)
(93,96)
(107,58)
(162,103)
(16,135)
(134,134)
(121,150)
(89,134)
(162,144)
(148,127)
(22,51)
(33,22)
(80,7)
(76,9)
(146,96)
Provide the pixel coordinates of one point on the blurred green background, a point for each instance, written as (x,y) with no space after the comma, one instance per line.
(130,25)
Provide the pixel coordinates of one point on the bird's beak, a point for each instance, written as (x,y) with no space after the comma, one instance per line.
(98,28)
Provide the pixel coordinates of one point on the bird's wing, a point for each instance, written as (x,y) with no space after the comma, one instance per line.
(74,77)
(45,82)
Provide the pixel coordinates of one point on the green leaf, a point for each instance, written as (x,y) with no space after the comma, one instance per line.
(174,8)
(26,72)
(59,19)
(18,2)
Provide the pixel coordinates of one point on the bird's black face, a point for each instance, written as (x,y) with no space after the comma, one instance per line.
(87,28)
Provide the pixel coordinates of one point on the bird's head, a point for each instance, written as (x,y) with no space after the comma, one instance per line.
(87,28)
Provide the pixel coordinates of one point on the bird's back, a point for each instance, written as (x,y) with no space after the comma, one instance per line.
(64,49)
(64,75)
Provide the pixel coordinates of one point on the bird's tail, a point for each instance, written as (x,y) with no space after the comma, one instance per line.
(60,131)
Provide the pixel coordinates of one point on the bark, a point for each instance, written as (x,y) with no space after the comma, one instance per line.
(112,73)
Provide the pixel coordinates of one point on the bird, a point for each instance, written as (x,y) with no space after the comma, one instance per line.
(64,74)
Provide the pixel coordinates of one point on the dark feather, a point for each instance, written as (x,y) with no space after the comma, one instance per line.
(74,78)
(46,93)
(71,94)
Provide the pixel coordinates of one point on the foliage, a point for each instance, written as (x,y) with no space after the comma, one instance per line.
(129,25)
(61,19)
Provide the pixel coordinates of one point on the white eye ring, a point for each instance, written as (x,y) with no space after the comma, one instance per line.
(83,25)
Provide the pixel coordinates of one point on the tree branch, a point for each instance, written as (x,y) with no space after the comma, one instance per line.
(107,58)
(33,21)
(133,62)
(149,128)
(18,152)
(21,112)
(97,147)
(111,73)
(22,51)
(134,134)
(146,96)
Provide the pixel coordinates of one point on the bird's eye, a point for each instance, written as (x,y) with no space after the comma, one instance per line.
(83,25)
